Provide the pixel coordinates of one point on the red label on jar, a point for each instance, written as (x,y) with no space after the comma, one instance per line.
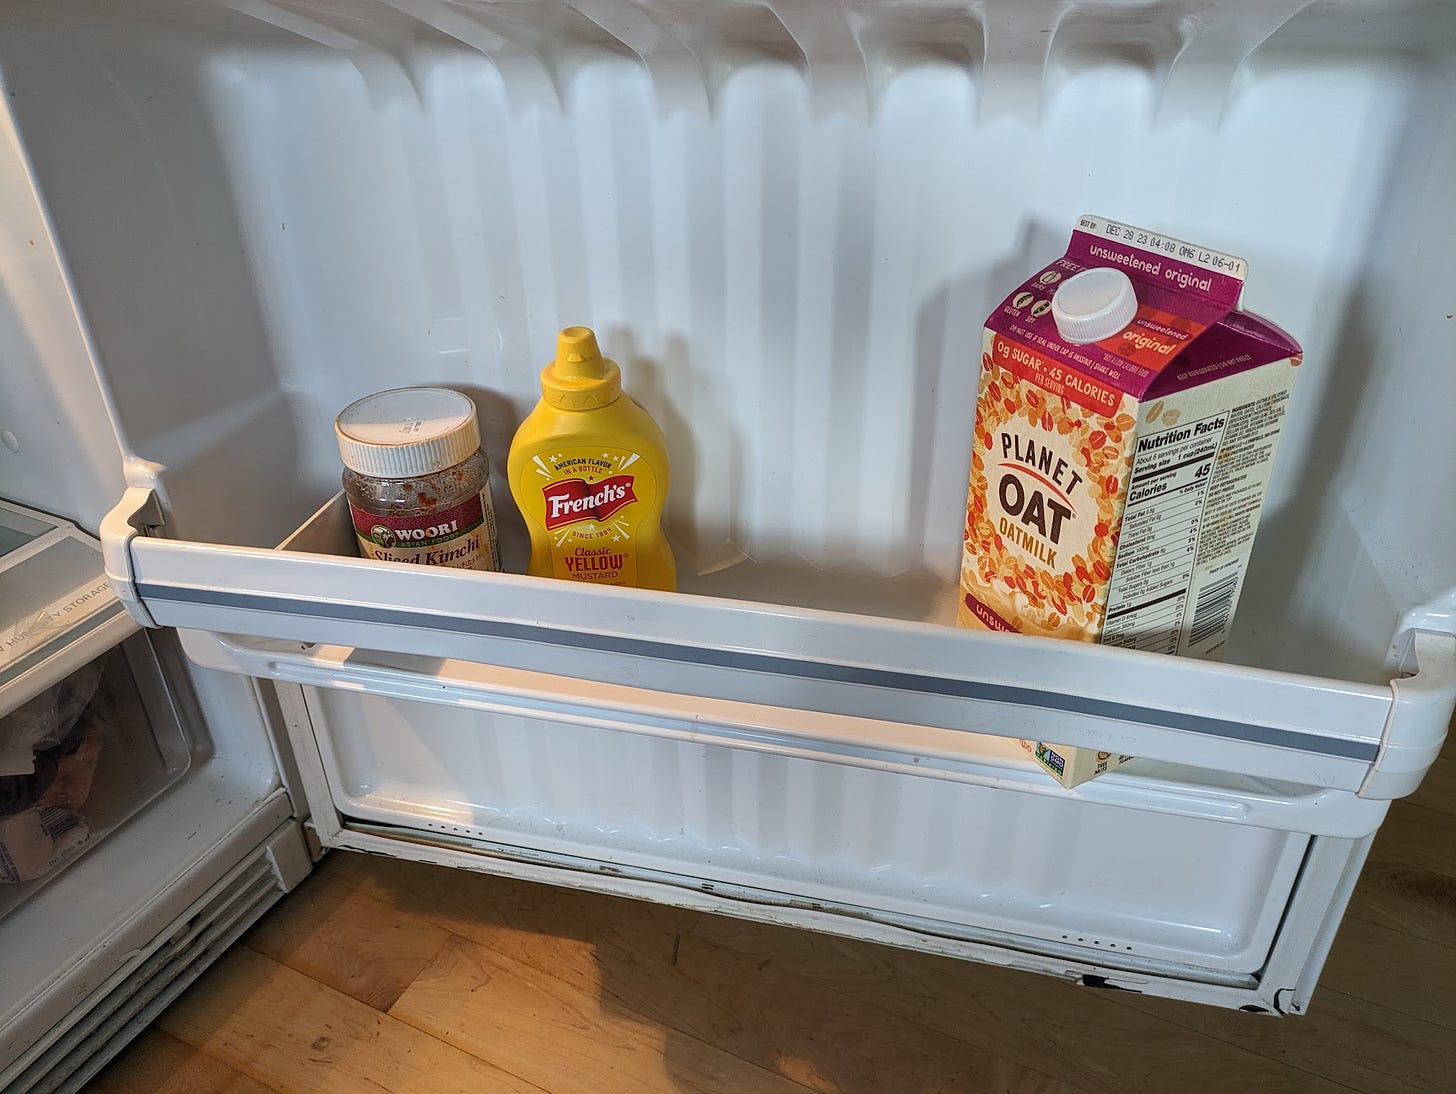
(462,536)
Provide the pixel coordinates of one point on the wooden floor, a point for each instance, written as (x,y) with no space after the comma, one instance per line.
(380,975)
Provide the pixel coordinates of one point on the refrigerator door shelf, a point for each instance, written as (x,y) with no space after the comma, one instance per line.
(1281,726)
(957,859)
(921,751)
(1168,938)
(1190,907)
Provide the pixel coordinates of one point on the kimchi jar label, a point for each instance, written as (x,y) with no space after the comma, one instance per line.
(593,501)
(462,537)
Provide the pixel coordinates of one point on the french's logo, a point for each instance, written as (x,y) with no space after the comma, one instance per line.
(573,500)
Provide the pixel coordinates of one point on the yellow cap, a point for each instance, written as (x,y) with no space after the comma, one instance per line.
(580,378)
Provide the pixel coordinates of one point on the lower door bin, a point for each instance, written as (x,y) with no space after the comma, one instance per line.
(982,860)
(78,760)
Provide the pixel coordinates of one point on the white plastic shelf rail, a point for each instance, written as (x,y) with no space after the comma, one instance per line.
(1377,741)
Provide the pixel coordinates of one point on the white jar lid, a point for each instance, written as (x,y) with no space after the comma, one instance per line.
(407,431)
(1093,305)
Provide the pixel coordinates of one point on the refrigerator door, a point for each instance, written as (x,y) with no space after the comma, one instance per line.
(788,221)
(1362,735)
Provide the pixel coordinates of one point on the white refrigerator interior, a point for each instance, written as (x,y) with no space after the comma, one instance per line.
(787,222)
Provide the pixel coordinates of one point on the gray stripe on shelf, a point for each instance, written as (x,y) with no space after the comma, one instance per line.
(777,665)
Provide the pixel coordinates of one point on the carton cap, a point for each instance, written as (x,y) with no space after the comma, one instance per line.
(1093,305)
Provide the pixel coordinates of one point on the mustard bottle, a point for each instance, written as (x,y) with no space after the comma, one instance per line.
(588,470)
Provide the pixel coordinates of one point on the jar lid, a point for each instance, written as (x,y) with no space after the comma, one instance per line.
(407,431)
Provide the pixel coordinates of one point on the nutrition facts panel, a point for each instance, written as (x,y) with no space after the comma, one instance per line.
(1159,539)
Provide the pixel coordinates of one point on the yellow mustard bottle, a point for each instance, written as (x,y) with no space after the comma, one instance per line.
(588,470)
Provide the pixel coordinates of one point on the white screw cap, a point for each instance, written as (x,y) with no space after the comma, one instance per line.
(407,431)
(1093,305)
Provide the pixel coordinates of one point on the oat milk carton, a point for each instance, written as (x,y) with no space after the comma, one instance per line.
(1125,430)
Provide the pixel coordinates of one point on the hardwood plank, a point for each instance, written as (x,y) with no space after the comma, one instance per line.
(534,976)
(628,953)
(159,1063)
(293,1033)
(348,939)
(464,902)
(1410,899)
(1078,1035)
(844,1041)
(1392,969)
(1438,789)
(1409,881)
(1341,1038)
(1043,1030)
(1416,835)
(522,1019)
